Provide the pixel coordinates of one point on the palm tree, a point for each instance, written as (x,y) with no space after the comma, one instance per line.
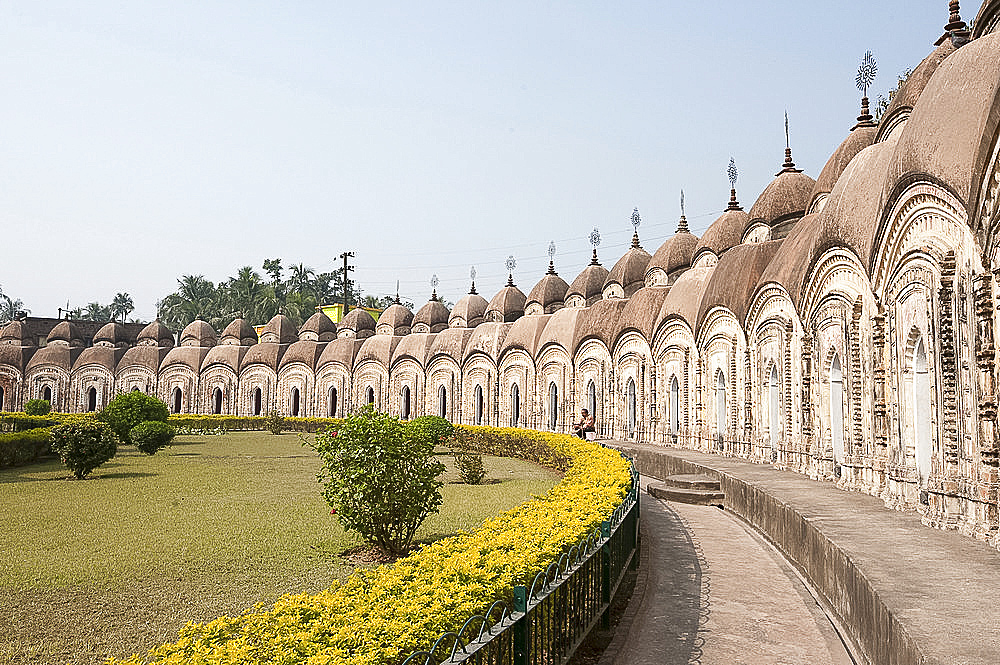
(241,295)
(301,279)
(122,304)
(9,307)
(195,296)
(95,311)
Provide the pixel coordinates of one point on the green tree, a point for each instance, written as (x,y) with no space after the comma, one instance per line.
(9,307)
(122,305)
(94,311)
(195,297)
(380,479)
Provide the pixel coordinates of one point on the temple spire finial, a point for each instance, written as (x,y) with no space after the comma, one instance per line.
(733,174)
(552,257)
(636,221)
(396,301)
(511,264)
(866,76)
(595,240)
(682,225)
(434,285)
(956,30)
(472,276)
(789,165)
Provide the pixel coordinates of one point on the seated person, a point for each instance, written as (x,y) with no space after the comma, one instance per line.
(585,425)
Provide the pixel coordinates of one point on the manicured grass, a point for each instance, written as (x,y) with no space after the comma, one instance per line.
(213,525)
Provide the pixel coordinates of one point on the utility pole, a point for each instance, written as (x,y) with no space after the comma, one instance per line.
(345,256)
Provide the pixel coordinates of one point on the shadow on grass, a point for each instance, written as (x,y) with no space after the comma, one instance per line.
(123,475)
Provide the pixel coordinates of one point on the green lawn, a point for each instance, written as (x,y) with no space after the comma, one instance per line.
(212,525)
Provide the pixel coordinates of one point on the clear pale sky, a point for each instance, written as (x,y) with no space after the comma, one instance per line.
(140,141)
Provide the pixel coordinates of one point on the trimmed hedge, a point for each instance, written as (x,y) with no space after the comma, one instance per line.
(15,421)
(379,616)
(248,423)
(17,448)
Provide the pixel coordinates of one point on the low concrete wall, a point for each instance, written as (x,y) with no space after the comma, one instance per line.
(878,635)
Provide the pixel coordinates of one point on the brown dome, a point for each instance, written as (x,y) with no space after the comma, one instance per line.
(524,334)
(469,311)
(65,331)
(358,324)
(377,348)
(588,287)
(487,339)
(414,346)
(111,334)
(190,356)
(725,232)
(673,255)
(318,328)
(16,333)
(641,312)
(341,351)
(507,305)
(227,354)
(239,333)
(684,298)
(861,136)
(450,343)
(199,333)
(548,295)
(279,330)
(629,273)
(432,317)
(156,334)
(950,132)
(266,353)
(304,351)
(906,96)
(734,280)
(783,201)
(395,320)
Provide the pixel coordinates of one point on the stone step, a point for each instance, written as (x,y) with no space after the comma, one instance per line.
(682,495)
(693,482)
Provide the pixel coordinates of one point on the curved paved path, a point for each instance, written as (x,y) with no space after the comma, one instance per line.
(718,594)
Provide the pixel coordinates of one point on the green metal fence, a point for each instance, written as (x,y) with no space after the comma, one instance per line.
(547,621)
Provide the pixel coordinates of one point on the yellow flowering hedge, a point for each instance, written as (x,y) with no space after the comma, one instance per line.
(382,615)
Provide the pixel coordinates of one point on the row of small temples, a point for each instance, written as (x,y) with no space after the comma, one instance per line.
(843,327)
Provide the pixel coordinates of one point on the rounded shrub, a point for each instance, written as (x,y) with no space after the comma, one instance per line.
(83,445)
(129,409)
(151,436)
(381,481)
(37,407)
(274,422)
(432,429)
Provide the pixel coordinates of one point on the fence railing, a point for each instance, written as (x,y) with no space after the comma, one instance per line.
(547,621)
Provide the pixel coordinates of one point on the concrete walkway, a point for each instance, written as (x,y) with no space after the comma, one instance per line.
(912,593)
(717,594)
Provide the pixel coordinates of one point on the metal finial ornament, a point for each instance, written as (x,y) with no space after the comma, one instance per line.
(789,165)
(866,73)
(472,276)
(552,250)
(866,76)
(397,292)
(511,264)
(595,240)
(682,225)
(636,221)
(434,285)
(733,174)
